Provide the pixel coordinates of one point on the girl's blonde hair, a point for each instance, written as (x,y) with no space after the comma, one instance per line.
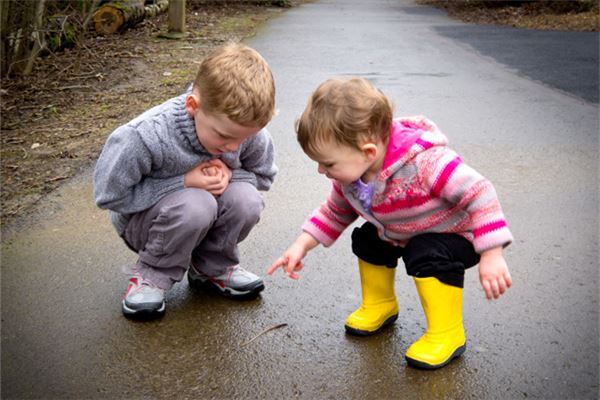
(235,81)
(345,111)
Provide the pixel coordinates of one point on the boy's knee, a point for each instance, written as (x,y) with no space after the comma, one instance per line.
(245,201)
(255,204)
(193,209)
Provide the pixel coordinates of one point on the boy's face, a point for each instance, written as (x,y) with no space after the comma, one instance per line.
(218,134)
(343,163)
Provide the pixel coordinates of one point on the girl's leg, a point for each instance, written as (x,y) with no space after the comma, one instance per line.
(377,262)
(438,262)
(444,256)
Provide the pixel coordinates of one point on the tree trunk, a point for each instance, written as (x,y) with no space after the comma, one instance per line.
(4,45)
(17,34)
(119,15)
(38,38)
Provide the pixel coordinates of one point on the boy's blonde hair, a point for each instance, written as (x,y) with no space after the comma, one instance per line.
(235,81)
(345,111)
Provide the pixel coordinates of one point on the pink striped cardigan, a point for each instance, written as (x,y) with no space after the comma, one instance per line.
(423,187)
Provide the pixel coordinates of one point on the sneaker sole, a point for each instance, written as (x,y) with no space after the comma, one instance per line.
(360,332)
(143,313)
(246,293)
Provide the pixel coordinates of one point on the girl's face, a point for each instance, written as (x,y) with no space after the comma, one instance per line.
(343,163)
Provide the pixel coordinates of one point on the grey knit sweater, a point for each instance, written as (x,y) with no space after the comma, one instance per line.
(146,159)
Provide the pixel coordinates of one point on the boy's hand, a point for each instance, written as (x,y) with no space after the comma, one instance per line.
(218,168)
(212,176)
(215,165)
(291,260)
(210,171)
(493,273)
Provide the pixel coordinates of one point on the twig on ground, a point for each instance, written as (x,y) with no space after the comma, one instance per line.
(64,69)
(57,178)
(75,87)
(262,333)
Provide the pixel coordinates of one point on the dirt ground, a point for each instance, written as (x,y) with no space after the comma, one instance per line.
(562,15)
(54,123)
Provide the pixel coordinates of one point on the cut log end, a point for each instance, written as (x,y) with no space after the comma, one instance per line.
(108,20)
(116,16)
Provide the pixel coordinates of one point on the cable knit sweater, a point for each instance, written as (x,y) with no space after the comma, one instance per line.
(423,187)
(146,159)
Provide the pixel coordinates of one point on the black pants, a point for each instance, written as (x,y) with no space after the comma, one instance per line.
(444,256)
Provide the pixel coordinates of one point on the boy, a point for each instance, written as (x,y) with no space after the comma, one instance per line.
(421,203)
(182,181)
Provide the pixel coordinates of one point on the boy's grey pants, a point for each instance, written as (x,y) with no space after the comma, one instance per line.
(193,226)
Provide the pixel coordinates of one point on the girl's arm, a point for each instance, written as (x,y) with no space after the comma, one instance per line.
(493,273)
(461,185)
(291,260)
(329,221)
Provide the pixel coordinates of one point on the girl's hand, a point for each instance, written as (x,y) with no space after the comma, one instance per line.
(291,260)
(493,273)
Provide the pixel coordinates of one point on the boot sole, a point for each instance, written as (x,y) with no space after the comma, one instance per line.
(360,332)
(423,365)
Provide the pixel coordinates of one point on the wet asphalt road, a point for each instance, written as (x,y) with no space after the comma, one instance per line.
(62,332)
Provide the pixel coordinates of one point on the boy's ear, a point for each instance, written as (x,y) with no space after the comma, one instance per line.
(192,102)
(369,150)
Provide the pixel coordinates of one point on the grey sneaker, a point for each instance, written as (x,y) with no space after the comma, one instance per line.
(235,282)
(142,299)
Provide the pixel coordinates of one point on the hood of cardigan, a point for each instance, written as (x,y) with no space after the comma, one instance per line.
(408,137)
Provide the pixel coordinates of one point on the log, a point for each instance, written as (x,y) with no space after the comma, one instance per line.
(116,16)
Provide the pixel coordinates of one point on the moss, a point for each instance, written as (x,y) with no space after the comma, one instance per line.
(234,23)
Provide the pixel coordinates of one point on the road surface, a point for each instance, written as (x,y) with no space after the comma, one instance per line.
(63,335)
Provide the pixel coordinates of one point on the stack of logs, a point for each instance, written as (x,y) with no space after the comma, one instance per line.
(115,16)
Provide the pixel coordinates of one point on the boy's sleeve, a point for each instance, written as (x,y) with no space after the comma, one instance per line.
(120,181)
(327,222)
(257,160)
(458,183)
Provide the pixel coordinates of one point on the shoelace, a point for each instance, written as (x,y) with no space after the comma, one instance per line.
(130,269)
(231,270)
(143,282)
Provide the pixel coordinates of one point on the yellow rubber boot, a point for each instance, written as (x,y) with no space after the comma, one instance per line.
(379,307)
(444,339)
